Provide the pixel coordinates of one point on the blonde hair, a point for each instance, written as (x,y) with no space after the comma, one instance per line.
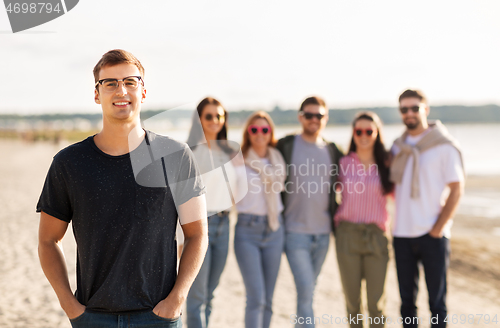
(252,118)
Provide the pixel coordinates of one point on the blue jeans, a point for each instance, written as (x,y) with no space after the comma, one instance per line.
(306,254)
(202,291)
(434,254)
(136,320)
(258,252)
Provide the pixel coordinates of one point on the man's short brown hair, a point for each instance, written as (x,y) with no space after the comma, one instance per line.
(413,94)
(313,101)
(116,57)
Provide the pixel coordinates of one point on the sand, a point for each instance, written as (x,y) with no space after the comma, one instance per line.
(27,299)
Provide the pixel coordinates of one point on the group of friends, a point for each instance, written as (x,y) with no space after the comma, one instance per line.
(125,189)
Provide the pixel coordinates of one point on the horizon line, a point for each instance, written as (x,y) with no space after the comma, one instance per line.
(234,110)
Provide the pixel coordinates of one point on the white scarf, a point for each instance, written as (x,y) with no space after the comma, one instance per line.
(270,175)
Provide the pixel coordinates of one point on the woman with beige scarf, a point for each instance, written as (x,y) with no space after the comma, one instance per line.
(259,235)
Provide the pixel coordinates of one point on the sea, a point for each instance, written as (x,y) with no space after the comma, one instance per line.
(480,150)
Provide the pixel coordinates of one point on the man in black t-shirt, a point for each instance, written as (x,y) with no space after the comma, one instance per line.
(123,190)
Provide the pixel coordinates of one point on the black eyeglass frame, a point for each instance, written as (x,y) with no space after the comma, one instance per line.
(141,80)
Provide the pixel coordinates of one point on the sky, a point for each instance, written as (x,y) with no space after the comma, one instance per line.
(259,54)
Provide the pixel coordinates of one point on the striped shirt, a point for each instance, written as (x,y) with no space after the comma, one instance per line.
(363,199)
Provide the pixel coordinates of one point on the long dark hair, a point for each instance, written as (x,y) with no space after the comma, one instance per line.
(196,134)
(380,154)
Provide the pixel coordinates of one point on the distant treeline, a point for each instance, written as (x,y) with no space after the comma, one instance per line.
(390,115)
(447,114)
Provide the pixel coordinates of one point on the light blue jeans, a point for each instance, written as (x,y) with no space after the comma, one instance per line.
(258,252)
(306,254)
(199,299)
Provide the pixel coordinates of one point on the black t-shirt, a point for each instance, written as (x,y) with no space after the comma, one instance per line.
(124,215)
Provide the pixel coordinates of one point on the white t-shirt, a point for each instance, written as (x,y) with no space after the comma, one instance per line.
(438,166)
(254,201)
(219,190)
(212,163)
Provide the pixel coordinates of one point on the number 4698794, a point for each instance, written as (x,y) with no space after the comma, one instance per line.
(471,319)
(32,8)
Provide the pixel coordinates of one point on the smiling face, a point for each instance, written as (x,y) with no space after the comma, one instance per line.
(121,105)
(313,126)
(212,120)
(365,141)
(260,139)
(412,120)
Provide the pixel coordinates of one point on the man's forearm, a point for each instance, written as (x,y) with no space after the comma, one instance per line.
(195,248)
(190,263)
(449,208)
(54,267)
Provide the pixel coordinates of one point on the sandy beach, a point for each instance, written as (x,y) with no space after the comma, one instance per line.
(27,299)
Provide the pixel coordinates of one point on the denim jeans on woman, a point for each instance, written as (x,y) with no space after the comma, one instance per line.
(137,320)
(306,254)
(258,252)
(199,299)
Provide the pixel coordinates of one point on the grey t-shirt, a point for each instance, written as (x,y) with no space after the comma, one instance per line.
(308,188)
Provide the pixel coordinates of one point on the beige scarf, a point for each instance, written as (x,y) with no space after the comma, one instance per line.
(437,135)
(272,177)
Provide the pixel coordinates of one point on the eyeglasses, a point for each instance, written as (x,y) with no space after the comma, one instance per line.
(130,82)
(404,110)
(254,129)
(309,116)
(359,132)
(210,117)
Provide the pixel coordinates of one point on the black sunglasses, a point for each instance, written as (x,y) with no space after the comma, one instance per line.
(210,117)
(309,116)
(359,132)
(404,110)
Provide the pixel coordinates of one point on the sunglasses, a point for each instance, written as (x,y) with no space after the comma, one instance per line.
(404,110)
(210,117)
(254,129)
(309,116)
(359,132)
